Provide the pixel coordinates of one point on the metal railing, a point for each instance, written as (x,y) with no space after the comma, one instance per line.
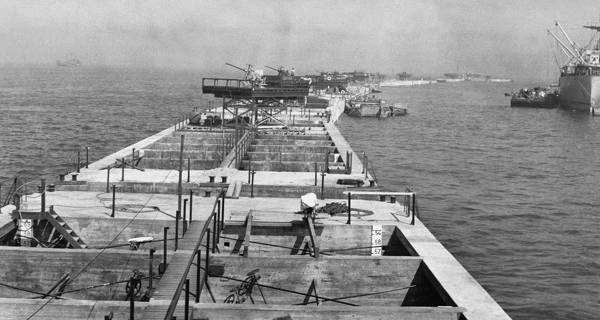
(216,218)
(225,82)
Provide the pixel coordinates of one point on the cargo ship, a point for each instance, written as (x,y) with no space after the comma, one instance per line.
(267,213)
(579,80)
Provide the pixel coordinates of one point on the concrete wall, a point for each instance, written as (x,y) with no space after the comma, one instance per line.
(330,237)
(39,269)
(334,277)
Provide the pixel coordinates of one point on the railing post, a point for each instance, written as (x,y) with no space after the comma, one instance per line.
(187,299)
(252,185)
(327,162)
(165,239)
(87,156)
(222,219)
(366,167)
(112,214)
(214,235)
(207,255)
(316,179)
(184,214)
(364,163)
(43,196)
(108,180)
(151,270)
(191,201)
(188,170)
(412,220)
(180,183)
(349,207)
(177,217)
(123,169)
(132,157)
(198,262)
(78,160)
(322,185)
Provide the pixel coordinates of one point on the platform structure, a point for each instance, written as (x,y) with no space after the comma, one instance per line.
(232,240)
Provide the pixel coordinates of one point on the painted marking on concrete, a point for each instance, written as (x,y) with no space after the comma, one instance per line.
(376,241)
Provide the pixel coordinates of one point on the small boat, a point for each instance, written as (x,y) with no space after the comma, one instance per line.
(371,107)
(535,98)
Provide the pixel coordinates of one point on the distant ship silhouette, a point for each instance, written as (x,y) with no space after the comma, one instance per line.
(69,61)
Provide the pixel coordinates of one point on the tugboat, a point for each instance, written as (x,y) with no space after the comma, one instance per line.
(535,98)
(372,107)
(579,79)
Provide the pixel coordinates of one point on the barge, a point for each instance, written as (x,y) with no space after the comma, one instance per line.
(213,222)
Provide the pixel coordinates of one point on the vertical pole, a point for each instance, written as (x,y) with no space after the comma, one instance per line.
(327,162)
(191,201)
(349,208)
(347,162)
(198,261)
(366,167)
(112,214)
(179,185)
(322,185)
(249,167)
(364,163)
(107,179)
(131,301)
(0,193)
(252,185)
(43,195)
(132,157)
(177,217)
(316,179)
(78,160)
(188,169)
(165,229)
(184,214)
(214,240)
(206,260)
(412,220)
(187,299)
(123,169)
(151,269)
(222,219)
(87,156)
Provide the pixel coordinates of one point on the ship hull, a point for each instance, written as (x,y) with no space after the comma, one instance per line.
(579,92)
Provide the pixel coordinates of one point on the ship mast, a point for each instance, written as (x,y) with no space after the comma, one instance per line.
(597,29)
(566,48)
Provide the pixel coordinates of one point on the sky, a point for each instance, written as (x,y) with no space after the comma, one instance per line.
(424,37)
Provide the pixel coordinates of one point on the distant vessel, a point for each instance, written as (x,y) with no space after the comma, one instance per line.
(372,107)
(69,61)
(535,98)
(579,80)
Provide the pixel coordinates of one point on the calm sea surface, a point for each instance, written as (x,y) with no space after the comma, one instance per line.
(514,194)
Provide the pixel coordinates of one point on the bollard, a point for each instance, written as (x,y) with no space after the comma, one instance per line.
(349,208)
(191,194)
(107,179)
(43,195)
(177,217)
(188,170)
(78,160)
(252,185)
(322,185)
(122,169)
(316,179)
(150,271)
(87,156)
(187,299)
(198,262)
(112,214)
(184,214)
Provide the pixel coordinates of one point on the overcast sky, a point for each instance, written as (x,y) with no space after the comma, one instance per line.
(503,38)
